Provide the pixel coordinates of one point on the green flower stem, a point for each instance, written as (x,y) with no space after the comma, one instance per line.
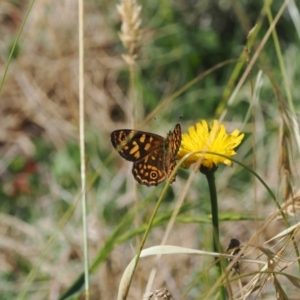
(209,173)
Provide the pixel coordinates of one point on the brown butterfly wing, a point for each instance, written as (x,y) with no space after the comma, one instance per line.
(150,170)
(174,141)
(134,145)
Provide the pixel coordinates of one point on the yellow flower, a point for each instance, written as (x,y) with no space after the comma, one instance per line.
(202,137)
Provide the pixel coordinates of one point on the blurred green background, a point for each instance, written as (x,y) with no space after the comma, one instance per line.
(181,41)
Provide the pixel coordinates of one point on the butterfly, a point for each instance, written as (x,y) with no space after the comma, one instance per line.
(233,249)
(152,155)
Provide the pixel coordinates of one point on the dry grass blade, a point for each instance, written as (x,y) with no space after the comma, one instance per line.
(291,206)
(280,294)
(258,281)
(285,257)
(288,141)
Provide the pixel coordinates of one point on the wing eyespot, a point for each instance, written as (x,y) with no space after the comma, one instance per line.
(153,174)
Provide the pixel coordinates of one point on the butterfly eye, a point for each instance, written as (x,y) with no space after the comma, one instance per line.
(123,136)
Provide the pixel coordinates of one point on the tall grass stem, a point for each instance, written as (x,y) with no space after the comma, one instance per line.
(82,146)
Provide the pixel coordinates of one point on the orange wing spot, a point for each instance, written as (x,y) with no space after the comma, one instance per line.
(137,155)
(143,138)
(135,148)
(147,146)
(147,174)
(125,147)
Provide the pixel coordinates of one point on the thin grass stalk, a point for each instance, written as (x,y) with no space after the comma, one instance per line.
(237,69)
(254,58)
(130,36)
(132,95)
(281,63)
(295,16)
(82,146)
(254,92)
(133,124)
(15,44)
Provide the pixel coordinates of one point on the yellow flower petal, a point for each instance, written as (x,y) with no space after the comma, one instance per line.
(203,137)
